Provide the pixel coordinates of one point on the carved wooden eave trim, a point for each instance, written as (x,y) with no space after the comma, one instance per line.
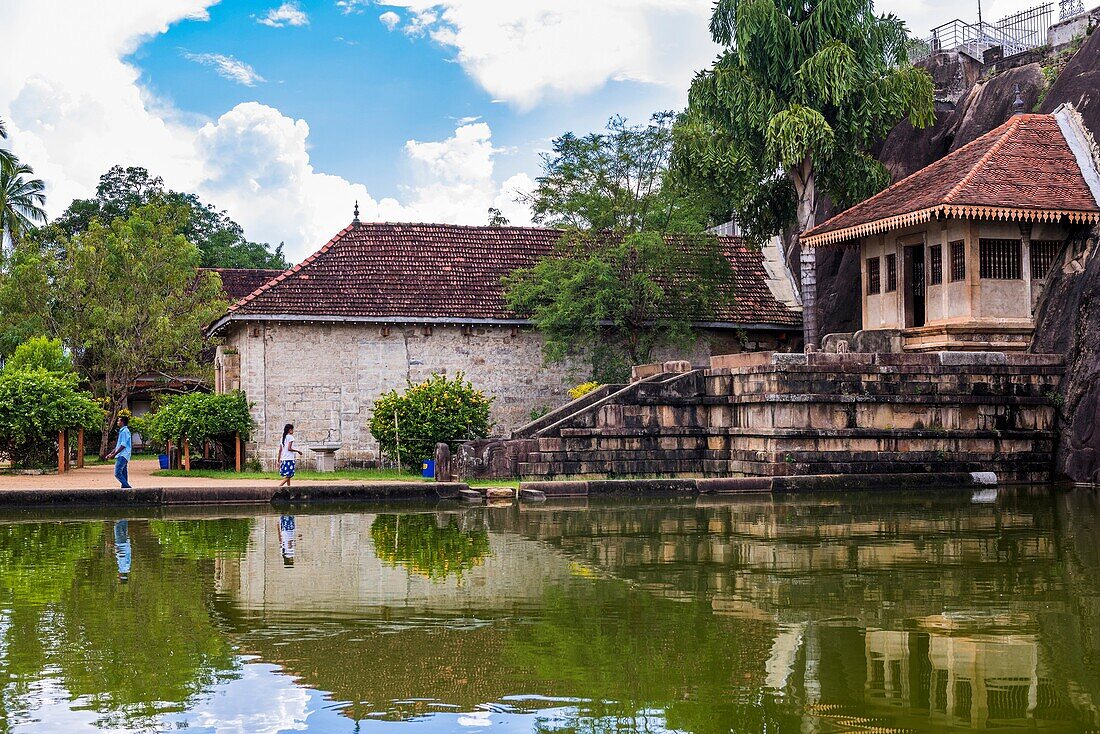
(839,237)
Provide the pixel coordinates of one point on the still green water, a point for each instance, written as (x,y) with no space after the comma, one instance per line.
(870,612)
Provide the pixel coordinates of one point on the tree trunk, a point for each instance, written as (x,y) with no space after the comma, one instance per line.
(112,418)
(806,190)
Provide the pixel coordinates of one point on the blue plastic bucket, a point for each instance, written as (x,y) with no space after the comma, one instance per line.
(427,469)
(163,458)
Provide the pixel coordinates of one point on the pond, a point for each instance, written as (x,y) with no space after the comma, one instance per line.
(939,611)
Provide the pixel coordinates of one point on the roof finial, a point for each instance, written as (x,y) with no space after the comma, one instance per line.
(355,220)
(1018,102)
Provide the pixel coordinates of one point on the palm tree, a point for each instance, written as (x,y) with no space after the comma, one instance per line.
(6,156)
(21,200)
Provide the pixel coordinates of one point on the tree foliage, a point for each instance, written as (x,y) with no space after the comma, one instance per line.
(121,191)
(613,300)
(34,406)
(28,294)
(197,417)
(437,410)
(615,180)
(793,105)
(132,300)
(40,352)
(22,199)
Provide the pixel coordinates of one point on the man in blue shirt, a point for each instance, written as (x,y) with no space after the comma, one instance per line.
(122,452)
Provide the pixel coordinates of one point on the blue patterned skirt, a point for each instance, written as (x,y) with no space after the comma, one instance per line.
(286,469)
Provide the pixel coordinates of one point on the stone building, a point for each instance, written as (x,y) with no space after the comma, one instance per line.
(956,255)
(383,304)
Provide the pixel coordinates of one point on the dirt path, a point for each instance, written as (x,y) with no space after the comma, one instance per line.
(141,475)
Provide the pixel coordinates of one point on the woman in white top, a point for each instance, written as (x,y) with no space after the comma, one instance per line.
(286,455)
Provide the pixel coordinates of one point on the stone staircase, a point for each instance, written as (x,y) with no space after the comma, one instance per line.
(765,414)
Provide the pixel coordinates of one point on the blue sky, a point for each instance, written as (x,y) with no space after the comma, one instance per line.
(285,113)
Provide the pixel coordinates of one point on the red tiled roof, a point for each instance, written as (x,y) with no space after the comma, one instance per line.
(443,271)
(239,282)
(1023,169)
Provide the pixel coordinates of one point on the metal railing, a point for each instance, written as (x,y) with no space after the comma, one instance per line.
(1013,34)
(1070,8)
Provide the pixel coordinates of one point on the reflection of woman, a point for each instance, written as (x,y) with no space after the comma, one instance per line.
(286,538)
(122,549)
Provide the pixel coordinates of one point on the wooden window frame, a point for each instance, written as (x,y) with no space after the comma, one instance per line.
(958,260)
(874,276)
(935,265)
(891,272)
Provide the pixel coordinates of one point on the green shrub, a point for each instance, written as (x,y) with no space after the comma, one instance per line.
(198,416)
(34,406)
(437,410)
(40,353)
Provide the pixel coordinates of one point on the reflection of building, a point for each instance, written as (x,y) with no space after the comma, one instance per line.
(980,681)
(337,568)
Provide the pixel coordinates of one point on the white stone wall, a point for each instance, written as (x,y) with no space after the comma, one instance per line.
(325,377)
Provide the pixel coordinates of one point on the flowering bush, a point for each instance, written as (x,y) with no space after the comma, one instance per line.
(583,389)
(437,410)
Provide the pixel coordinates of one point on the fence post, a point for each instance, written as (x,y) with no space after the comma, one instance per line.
(62,459)
(237,450)
(186,455)
(80,448)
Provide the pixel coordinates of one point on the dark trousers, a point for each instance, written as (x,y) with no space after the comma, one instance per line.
(120,472)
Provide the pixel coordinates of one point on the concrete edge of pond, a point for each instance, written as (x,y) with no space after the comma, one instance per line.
(229,494)
(753,485)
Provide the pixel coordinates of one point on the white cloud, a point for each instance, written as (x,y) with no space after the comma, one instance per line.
(74,107)
(524,52)
(390,19)
(349,7)
(287,14)
(227,67)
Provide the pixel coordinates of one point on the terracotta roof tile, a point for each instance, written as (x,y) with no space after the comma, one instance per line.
(434,271)
(239,282)
(1024,166)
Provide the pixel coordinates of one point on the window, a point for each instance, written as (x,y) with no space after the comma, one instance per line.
(874,277)
(1043,253)
(891,272)
(935,265)
(958,261)
(999,259)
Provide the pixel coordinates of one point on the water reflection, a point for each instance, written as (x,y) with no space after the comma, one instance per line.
(919,612)
(122,550)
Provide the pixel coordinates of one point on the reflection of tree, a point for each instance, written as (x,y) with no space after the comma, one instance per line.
(200,539)
(38,560)
(127,650)
(631,655)
(420,544)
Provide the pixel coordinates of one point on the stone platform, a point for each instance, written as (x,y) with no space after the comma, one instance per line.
(775,415)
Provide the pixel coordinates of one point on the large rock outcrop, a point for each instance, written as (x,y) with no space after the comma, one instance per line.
(1079,83)
(1068,322)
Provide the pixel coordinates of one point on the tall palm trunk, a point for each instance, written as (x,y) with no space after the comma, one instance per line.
(803,177)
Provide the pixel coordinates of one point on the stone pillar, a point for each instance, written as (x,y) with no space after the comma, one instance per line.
(807,260)
(442,462)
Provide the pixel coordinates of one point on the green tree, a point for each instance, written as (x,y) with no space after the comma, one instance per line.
(34,406)
(198,417)
(613,289)
(614,299)
(121,191)
(791,109)
(134,304)
(28,293)
(40,352)
(22,200)
(408,425)
(6,156)
(616,180)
